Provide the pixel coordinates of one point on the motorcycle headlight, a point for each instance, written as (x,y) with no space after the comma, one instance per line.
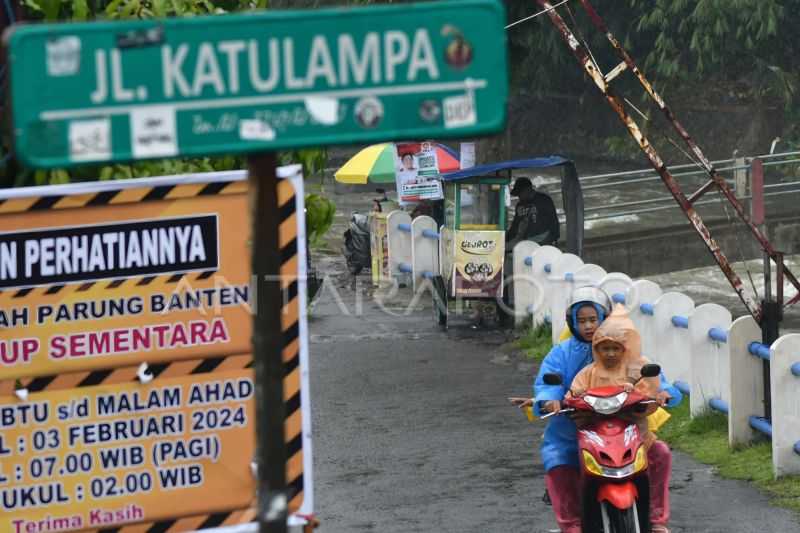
(606,406)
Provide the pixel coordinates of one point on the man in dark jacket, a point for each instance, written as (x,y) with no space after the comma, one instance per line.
(535,217)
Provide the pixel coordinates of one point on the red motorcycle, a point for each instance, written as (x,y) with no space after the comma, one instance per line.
(612,455)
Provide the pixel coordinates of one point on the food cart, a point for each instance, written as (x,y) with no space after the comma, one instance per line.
(472,239)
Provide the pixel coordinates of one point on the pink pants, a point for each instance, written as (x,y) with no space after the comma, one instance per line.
(563,482)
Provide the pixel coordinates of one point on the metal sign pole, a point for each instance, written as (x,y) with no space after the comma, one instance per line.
(267,351)
(771,309)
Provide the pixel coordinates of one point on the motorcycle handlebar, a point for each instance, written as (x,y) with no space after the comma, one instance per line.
(553,413)
(572,409)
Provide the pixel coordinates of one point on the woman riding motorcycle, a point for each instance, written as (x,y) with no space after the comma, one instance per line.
(587,308)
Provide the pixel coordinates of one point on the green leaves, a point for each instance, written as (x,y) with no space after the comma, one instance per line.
(319,217)
(675,41)
(313,160)
(48,9)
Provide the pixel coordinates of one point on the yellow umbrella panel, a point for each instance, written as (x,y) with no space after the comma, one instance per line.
(373,164)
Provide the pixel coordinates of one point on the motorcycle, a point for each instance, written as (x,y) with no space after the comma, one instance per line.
(615,487)
(357,251)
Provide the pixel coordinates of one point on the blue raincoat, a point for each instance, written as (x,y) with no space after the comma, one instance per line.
(560,444)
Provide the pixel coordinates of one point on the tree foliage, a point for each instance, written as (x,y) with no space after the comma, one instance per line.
(747,48)
(320,212)
(728,51)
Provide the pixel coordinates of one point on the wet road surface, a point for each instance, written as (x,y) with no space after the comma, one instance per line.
(412,431)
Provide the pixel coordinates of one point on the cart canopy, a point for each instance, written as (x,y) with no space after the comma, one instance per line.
(493,168)
(571,194)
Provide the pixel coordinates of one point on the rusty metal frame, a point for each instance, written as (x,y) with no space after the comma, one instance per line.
(602,81)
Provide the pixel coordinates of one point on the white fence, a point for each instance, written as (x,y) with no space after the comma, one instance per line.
(413,246)
(715,360)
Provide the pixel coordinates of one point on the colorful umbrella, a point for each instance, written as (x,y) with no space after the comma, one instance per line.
(375,164)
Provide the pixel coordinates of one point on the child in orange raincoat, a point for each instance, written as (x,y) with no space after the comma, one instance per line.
(618,361)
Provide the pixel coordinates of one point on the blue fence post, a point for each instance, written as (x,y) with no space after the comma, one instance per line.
(680,321)
(762,425)
(759,350)
(718,404)
(718,335)
(683,387)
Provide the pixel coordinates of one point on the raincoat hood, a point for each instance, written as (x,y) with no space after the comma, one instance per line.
(618,327)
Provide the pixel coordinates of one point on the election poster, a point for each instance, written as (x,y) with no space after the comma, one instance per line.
(126,380)
(417,173)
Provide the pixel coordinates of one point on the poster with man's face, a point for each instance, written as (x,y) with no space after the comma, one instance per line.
(417,173)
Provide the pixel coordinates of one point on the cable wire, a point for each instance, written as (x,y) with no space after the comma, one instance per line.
(577,32)
(723,200)
(532,16)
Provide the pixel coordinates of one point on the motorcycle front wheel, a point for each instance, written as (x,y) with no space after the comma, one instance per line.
(620,520)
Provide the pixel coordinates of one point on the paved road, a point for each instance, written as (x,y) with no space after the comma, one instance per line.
(412,433)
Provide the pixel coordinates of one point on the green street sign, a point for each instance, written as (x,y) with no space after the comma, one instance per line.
(116,91)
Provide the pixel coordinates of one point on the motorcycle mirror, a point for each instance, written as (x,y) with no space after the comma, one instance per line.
(651,370)
(553,379)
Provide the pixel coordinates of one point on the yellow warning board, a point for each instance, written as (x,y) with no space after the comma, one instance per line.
(98,278)
(118,284)
(115,454)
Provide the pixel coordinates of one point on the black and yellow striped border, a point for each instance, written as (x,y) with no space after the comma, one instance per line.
(290,323)
(121,196)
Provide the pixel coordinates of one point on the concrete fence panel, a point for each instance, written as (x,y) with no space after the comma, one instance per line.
(617,286)
(523,283)
(399,243)
(746,380)
(542,257)
(785,387)
(562,271)
(588,274)
(424,248)
(710,359)
(646,292)
(672,347)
